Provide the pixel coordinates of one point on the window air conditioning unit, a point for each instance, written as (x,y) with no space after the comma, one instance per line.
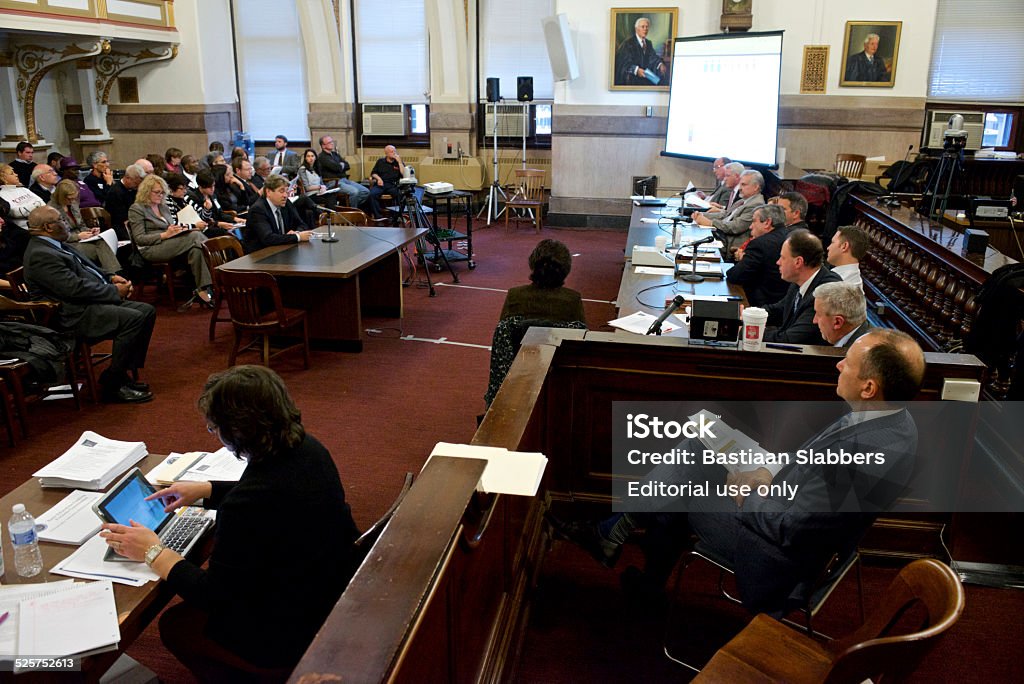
(510,121)
(938,122)
(384,120)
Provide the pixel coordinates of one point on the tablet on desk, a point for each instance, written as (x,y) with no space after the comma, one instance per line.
(126,501)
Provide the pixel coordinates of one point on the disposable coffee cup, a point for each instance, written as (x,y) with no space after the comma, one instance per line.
(754,322)
(661,242)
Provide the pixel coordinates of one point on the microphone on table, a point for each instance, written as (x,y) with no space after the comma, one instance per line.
(655,328)
(330,229)
(692,276)
(892,200)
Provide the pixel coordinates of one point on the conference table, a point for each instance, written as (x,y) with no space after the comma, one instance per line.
(649,292)
(136,606)
(336,283)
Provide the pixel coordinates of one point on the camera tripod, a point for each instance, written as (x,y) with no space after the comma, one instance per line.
(418,219)
(951,165)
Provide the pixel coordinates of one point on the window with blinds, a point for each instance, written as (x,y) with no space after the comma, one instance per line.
(391,51)
(271,69)
(978,51)
(512,45)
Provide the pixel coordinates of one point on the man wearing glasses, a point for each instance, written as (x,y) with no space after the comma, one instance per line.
(94,306)
(44,180)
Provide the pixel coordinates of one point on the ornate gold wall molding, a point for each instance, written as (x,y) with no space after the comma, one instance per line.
(33,62)
(110,65)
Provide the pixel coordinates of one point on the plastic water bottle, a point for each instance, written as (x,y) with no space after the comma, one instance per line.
(28,560)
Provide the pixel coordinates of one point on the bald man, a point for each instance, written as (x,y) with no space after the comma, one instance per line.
(384,179)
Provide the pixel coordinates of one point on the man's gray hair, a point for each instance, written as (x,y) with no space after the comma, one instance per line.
(872,36)
(135,171)
(260,162)
(774,213)
(95,157)
(637,22)
(843,299)
(734,167)
(756,175)
(39,170)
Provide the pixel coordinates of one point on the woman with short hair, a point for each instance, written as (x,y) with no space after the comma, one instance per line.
(546,298)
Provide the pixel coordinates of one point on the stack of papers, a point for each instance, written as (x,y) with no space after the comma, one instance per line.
(58,619)
(507,472)
(92,463)
(87,563)
(198,466)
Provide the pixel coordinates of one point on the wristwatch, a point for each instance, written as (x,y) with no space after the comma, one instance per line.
(152,552)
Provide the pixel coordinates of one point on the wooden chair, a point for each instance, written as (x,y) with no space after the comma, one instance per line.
(217,251)
(163,270)
(529,196)
(923,601)
(850,166)
(247,295)
(345,216)
(97,217)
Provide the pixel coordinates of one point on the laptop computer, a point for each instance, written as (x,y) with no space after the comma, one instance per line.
(126,501)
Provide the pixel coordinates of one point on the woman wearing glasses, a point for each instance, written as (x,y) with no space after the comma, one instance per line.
(159,238)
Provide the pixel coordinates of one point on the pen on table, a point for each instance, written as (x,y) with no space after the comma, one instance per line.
(3,617)
(783,347)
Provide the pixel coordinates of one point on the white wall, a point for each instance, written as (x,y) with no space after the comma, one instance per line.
(806,22)
(57,89)
(204,70)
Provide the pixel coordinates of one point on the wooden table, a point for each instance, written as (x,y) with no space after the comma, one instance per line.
(136,606)
(337,282)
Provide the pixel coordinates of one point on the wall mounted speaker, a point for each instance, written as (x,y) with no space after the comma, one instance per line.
(524,88)
(564,66)
(493,90)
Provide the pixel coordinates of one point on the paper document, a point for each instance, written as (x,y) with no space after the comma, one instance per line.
(108,236)
(727,440)
(640,322)
(695,200)
(708,269)
(654,270)
(78,621)
(188,215)
(507,472)
(220,466)
(87,563)
(72,521)
(92,463)
(11,596)
(689,187)
(173,467)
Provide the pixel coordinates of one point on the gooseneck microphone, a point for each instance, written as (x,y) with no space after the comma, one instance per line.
(330,225)
(655,328)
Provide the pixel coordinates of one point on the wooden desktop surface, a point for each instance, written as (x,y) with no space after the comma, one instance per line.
(136,606)
(355,250)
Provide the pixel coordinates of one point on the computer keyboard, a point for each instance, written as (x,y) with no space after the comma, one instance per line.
(184,530)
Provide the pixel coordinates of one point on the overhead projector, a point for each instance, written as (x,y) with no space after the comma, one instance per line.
(438,187)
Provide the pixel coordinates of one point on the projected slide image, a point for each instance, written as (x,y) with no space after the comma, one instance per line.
(641,47)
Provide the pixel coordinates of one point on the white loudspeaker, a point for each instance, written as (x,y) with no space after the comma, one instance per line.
(560,52)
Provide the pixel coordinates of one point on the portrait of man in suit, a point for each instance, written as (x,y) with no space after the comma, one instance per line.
(641,46)
(869,53)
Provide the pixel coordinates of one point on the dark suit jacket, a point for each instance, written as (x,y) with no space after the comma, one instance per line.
(758,273)
(861,330)
(41,192)
(57,275)
(331,165)
(24,170)
(119,201)
(261,229)
(629,55)
(778,547)
(797,326)
(858,68)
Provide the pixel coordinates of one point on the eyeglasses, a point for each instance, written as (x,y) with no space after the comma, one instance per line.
(161,193)
(211,428)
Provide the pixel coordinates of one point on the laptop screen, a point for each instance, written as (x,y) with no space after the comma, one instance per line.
(126,502)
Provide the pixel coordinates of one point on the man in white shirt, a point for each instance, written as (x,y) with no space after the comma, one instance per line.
(287,161)
(840,312)
(848,247)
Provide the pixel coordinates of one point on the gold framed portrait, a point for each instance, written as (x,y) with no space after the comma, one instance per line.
(641,47)
(869,54)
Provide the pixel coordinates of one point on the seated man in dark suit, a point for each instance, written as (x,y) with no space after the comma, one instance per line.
(732,226)
(776,543)
(795,207)
(756,267)
(272,219)
(94,306)
(840,312)
(801,263)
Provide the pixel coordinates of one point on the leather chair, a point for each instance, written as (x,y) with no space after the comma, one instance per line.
(850,166)
(925,593)
(248,295)
(217,251)
(529,196)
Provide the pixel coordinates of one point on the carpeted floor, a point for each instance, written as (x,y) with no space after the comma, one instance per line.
(421,380)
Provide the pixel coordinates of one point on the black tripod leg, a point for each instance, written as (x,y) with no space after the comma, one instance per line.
(421,247)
